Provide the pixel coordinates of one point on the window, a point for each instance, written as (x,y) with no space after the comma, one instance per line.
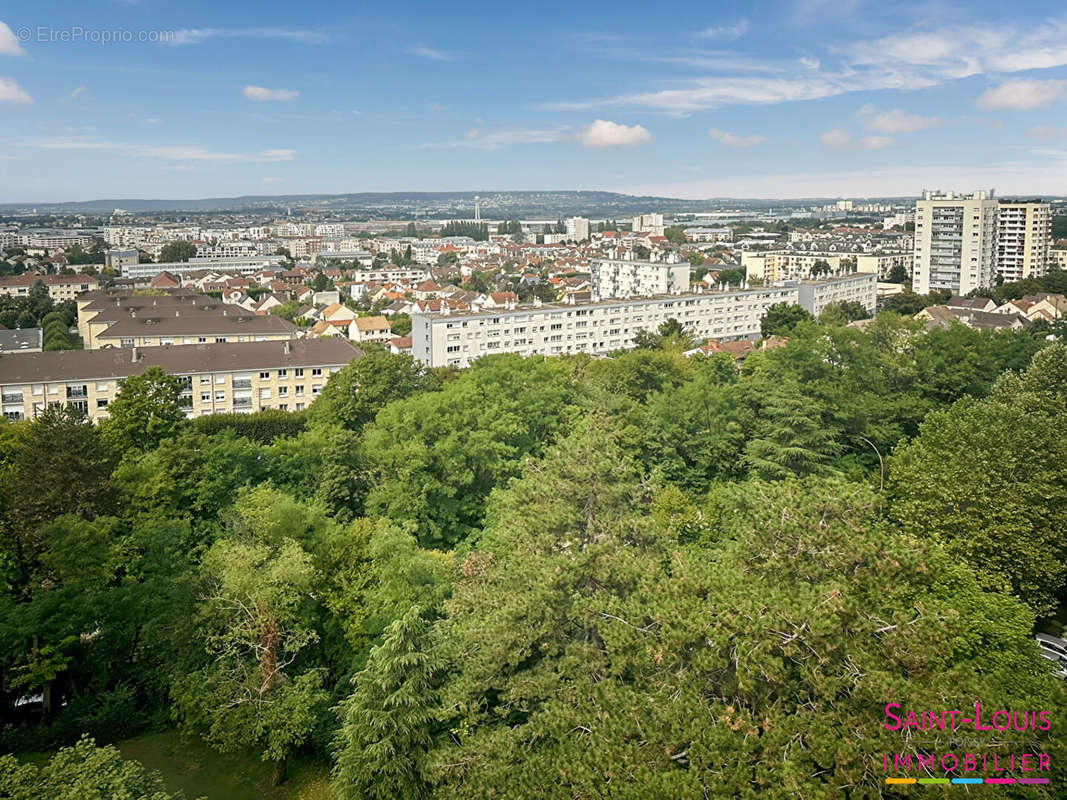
(282,374)
(299,372)
(220,397)
(283,407)
(205,397)
(316,372)
(205,379)
(299,391)
(264,376)
(283,391)
(101,403)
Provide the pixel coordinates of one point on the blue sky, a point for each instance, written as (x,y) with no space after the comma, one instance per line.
(701,99)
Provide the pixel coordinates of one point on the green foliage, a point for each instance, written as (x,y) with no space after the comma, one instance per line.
(979,470)
(355,394)
(782,318)
(147,410)
(180,250)
(587,644)
(82,772)
(842,312)
(262,427)
(479,231)
(436,456)
(387,723)
(674,234)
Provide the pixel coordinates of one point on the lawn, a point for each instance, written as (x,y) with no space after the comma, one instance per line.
(199,771)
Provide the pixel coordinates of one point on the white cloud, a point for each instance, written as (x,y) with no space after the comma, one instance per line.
(164,152)
(837,139)
(431,53)
(603,133)
(198,35)
(728,139)
(11,93)
(1022,95)
(735,31)
(895,121)
(357,112)
(906,61)
(262,94)
(491,140)
(1046,132)
(9,45)
(78,92)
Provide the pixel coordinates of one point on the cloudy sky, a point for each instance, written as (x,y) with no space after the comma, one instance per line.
(137,98)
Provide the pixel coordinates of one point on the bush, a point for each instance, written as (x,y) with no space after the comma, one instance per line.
(263,427)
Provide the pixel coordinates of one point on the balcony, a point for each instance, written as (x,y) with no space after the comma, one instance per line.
(76,392)
(242,402)
(242,383)
(11,398)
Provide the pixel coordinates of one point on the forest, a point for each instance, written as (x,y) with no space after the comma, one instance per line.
(647,575)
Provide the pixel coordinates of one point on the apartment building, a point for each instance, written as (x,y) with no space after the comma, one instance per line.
(217,378)
(1058,259)
(955,242)
(60,287)
(648,223)
(861,287)
(251,265)
(622,278)
(577,229)
(1024,236)
(773,266)
(55,239)
(457,339)
(118,259)
(370,329)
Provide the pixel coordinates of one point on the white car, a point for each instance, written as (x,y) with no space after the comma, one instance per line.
(1054,649)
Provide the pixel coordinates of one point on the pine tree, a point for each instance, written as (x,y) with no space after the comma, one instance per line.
(387,722)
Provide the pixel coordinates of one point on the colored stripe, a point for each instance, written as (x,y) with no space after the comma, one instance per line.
(1033,780)
(934,780)
(900,780)
(1000,780)
(966,780)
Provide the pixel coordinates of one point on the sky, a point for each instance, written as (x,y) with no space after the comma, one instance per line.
(796,98)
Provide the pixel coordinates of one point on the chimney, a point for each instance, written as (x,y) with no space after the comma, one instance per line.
(286,347)
(135,355)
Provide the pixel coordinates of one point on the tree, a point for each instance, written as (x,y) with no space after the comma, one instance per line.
(59,466)
(907,303)
(387,723)
(356,393)
(82,772)
(180,250)
(978,471)
(898,274)
(586,642)
(255,691)
(320,283)
(843,311)
(790,438)
(147,410)
(674,234)
(782,318)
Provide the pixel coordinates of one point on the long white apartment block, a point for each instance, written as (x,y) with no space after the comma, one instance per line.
(955,242)
(242,266)
(860,287)
(623,278)
(458,339)
(1024,237)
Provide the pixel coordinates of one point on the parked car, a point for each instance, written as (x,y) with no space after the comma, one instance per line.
(1054,649)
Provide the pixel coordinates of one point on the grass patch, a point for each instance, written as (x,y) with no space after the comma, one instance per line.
(199,771)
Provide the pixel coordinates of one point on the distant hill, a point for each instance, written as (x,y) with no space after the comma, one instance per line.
(403,204)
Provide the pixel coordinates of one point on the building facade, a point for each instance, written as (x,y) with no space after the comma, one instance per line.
(1024,237)
(772,266)
(955,242)
(623,278)
(216,378)
(596,328)
(862,288)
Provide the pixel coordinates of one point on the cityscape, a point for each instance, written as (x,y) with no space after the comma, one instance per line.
(739,471)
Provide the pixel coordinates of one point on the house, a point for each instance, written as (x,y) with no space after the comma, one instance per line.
(370,329)
(400,344)
(25,340)
(497,300)
(339,314)
(944,317)
(164,280)
(327,328)
(971,303)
